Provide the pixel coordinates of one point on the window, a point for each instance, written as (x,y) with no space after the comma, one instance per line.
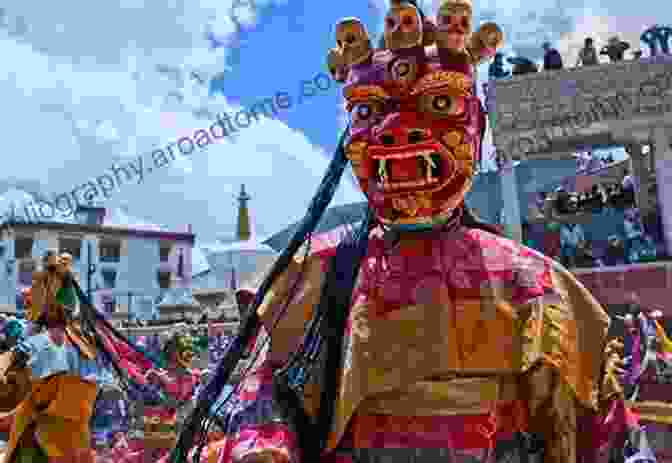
(72,246)
(180,265)
(164,251)
(110,251)
(23,247)
(2,252)
(109,304)
(26,269)
(109,278)
(164,279)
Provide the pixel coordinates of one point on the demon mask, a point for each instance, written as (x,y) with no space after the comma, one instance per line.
(181,350)
(415,129)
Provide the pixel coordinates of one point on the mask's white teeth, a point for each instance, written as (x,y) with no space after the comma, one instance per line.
(429,165)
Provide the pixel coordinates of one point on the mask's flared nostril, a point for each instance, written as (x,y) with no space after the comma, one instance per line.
(436,163)
(415,136)
(387,140)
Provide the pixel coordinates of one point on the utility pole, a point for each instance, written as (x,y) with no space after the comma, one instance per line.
(128,315)
(90,271)
(10,273)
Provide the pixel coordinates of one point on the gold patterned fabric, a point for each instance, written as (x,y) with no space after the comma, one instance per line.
(467,327)
(58,411)
(447,397)
(657,412)
(44,288)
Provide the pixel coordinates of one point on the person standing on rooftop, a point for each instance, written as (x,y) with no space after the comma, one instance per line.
(552,58)
(588,54)
(615,49)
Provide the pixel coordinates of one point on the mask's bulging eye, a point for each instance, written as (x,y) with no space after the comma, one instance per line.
(364,112)
(441,103)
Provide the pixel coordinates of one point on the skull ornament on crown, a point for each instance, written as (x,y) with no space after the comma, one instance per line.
(415,123)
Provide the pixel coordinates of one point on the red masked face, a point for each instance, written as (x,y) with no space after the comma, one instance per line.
(414,145)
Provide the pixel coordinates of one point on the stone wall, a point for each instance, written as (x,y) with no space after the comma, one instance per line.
(555,112)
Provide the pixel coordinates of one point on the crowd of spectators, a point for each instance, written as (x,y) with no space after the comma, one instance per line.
(614,49)
(566,240)
(601,196)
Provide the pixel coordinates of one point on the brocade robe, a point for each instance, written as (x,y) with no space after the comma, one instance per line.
(442,326)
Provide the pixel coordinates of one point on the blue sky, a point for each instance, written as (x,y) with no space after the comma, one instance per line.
(88,83)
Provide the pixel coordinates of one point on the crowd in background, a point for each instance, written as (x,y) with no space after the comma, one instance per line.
(614,49)
(614,234)
(600,196)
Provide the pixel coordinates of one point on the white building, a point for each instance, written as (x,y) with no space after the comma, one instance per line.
(118,265)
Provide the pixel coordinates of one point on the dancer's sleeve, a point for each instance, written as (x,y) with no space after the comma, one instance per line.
(292,299)
(260,425)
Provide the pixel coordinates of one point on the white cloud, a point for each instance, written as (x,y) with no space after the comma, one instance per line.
(93,83)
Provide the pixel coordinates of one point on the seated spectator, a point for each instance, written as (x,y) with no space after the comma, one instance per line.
(522,66)
(573,203)
(561,202)
(609,192)
(496,68)
(588,54)
(622,199)
(641,250)
(628,187)
(584,255)
(552,58)
(584,201)
(615,49)
(596,199)
(570,236)
(615,252)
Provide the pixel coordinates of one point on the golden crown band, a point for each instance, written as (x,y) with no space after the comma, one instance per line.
(447,6)
(359,93)
(460,83)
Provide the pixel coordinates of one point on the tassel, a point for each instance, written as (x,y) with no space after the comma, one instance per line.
(665,342)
